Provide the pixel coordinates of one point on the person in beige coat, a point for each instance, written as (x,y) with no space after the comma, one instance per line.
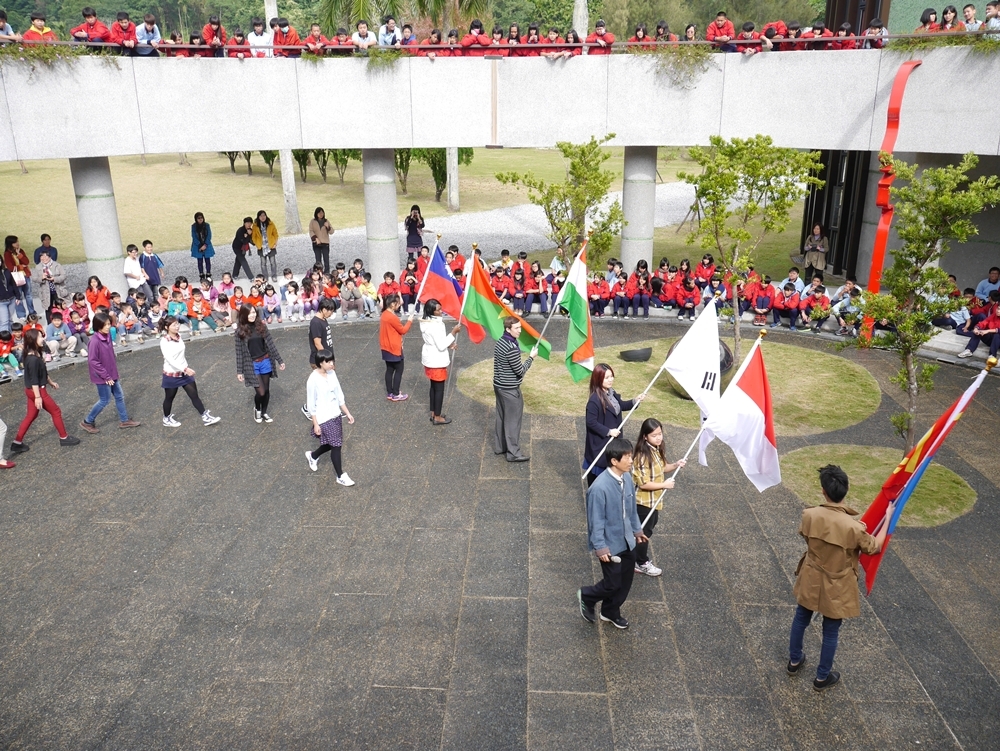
(827,575)
(50,277)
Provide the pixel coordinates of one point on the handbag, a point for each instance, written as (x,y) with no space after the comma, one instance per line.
(19,279)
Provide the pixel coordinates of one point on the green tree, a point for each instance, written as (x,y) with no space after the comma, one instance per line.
(437,160)
(933,210)
(301,157)
(269,157)
(322,157)
(746,190)
(577,203)
(403,157)
(232,156)
(248,155)
(341,158)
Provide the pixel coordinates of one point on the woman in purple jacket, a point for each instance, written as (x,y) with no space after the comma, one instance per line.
(104,374)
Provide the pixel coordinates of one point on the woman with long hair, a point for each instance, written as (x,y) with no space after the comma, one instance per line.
(36,383)
(949,20)
(390,337)
(256,356)
(409,283)
(201,245)
(97,294)
(434,356)
(319,232)
(605,412)
(414,226)
(177,374)
(16,261)
(649,471)
(814,250)
(327,405)
(264,236)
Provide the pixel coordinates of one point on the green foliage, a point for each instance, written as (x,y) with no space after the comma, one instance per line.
(979,44)
(381,60)
(622,16)
(321,157)
(403,157)
(437,160)
(341,158)
(577,203)
(933,210)
(746,190)
(269,158)
(681,65)
(301,157)
(39,55)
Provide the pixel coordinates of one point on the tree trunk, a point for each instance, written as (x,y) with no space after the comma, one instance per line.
(737,358)
(911,402)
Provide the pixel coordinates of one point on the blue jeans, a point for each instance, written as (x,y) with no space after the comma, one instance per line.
(25,303)
(8,312)
(831,630)
(104,394)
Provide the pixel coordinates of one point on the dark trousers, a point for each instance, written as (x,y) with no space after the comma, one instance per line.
(640,300)
(204,266)
(507,435)
(241,263)
(613,589)
(322,253)
(792,315)
(642,548)
(437,397)
(993,340)
(393,376)
(831,633)
(620,305)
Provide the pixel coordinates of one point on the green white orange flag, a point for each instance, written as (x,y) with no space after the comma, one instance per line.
(573,299)
(483,307)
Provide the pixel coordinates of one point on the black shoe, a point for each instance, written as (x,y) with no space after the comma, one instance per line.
(794,669)
(18,448)
(69,441)
(830,680)
(519,459)
(618,622)
(442,421)
(587,611)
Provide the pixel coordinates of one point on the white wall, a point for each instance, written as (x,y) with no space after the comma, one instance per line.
(830,100)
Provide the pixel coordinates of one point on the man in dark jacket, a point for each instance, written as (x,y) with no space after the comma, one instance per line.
(508,372)
(613,530)
(241,246)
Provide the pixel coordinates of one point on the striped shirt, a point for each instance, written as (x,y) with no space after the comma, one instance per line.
(508,370)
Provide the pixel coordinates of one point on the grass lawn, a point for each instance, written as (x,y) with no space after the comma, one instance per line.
(832,393)
(940,497)
(157,200)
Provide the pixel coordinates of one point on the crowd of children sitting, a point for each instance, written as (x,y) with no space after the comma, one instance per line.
(281,39)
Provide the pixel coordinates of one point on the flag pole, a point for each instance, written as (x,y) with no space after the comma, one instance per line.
(423,281)
(461,310)
(541,334)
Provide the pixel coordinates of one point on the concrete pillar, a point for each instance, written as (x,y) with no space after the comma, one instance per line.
(451,159)
(639,205)
(381,212)
(287,165)
(870,220)
(98,214)
(581,21)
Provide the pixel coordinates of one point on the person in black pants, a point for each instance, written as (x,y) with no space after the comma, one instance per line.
(241,246)
(612,525)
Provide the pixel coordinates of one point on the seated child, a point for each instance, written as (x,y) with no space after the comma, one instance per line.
(200,311)
(293,305)
(308,298)
(352,298)
(221,311)
(155,314)
(227,285)
(237,300)
(389,286)
(687,299)
(786,304)
(58,337)
(272,305)
(177,307)
(369,295)
(8,360)
(847,313)
(815,307)
(598,293)
(256,296)
(78,328)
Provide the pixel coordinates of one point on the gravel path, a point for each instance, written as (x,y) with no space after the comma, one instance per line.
(516,228)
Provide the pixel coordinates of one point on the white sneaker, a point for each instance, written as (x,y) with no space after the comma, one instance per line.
(313,463)
(648,569)
(345,480)
(209,419)
(83,352)
(267,417)
(964,353)
(170,422)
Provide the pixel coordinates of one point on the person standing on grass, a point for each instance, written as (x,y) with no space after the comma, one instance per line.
(319,232)
(201,245)
(327,405)
(256,356)
(36,383)
(508,372)
(649,473)
(177,374)
(103,368)
(390,337)
(613,532)
(320,337)
(826,579)
(434,356)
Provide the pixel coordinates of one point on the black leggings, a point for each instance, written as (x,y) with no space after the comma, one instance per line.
(262,393)
(191,390)
(205,266)
(338,466)
(437,397)
(393,377)
(321,251)
(240,264)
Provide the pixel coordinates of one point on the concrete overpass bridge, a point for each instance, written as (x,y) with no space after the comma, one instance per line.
(96,107)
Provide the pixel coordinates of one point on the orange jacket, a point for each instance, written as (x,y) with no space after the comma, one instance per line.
(119,35)
(390,333)
(196,308)
(208,34)
(99,297)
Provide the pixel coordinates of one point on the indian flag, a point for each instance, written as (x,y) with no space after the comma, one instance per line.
(483,307)
(573,298)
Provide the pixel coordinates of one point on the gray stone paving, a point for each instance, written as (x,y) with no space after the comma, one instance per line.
(200,588)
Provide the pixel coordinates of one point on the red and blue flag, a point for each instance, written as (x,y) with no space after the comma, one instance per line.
(439,283)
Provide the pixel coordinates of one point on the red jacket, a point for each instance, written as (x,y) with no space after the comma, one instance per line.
(992,321)
(34,35)
(762,290)
(743,42)
(97,32)
(815,301)
(208,34)
(500,284)
(595,49)
(289,39)
(849,42)
(821,45)
(668,293)
(234,48)
(713,31)
(201,307)
(687,296)
(779,28)
(405,287)
(526,48)
(475,45)
(322,43)
(620,289)
(500,48)
(343,48)
(384,290)
(120,35)
(642,44)
(443,51)
(533,286)
(780,302)
(703,272)
(598,288)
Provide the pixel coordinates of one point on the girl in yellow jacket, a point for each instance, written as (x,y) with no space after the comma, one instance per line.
(265,237)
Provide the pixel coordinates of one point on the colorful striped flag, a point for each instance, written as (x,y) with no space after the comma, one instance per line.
(482,307)
(439,283)
(573,298)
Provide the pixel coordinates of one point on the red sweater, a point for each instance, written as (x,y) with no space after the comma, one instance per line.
(208,34)
(815,301)
(321,43)
(500,284)
(703,272)
(97,32)
(234,48)
(289,39)
(595,49)
(600,289)
(390,333)
(714,31)
(687,296)
(780,302)
(405,287)
(475,45)
(384,289)
(849,42)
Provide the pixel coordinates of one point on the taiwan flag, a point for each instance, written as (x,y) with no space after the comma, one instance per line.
(439,284)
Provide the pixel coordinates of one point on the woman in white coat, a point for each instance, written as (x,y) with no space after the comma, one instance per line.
(434,356)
